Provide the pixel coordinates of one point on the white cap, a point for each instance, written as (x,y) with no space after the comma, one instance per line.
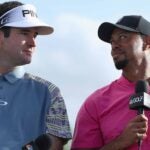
(24,16)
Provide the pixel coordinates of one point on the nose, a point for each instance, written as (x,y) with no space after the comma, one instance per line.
(114,44)
(32,42)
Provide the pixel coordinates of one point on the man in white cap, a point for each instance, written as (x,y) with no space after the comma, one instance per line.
(106,120)
(30,107)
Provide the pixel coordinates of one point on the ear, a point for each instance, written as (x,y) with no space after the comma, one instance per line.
(146,42)
(1,36)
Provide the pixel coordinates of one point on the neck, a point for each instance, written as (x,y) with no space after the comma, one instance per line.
(134,73)
(4,70)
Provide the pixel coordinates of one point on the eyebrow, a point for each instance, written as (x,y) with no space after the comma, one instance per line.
(121,32)
(27,30)
(124,31)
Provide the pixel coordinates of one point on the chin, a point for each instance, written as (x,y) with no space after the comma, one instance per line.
(26,62)
(121,64)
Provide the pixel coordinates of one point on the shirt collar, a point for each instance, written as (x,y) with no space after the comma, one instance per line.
(14,75)
(128,84)
(124,81)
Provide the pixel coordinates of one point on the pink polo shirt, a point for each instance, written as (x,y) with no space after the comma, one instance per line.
(104,115)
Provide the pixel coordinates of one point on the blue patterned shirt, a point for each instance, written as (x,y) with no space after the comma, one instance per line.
(30,106)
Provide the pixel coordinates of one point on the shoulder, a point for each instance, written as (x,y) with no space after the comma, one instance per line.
(40,81)
(102,92)
(100,98)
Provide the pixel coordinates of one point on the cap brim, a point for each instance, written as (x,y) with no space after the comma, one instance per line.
(42,28)
(105,30)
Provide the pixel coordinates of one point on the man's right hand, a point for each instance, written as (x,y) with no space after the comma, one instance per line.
(135,130)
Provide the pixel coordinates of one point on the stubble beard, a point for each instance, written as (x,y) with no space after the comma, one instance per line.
(121,64)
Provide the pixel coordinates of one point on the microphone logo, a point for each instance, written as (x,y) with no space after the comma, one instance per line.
(140,100)
(136,99)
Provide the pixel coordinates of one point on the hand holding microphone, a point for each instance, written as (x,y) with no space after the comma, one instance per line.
(136,129)
(140,101)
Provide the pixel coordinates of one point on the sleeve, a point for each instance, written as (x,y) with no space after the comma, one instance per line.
(57,122)
(87,132)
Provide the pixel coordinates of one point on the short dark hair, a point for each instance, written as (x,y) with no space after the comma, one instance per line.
(4,7)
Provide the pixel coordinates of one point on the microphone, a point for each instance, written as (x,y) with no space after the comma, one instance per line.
(43,142)
(140,101)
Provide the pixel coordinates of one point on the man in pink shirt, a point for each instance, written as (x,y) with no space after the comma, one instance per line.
(105,121)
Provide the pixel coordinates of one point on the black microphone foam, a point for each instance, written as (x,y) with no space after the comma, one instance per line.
(141,86)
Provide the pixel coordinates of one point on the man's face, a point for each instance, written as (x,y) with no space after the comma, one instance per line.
(127,48)
(17,49)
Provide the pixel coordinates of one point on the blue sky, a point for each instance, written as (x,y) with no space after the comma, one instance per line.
(73,57)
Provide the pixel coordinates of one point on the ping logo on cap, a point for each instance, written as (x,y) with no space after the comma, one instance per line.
(18,14)
(29,12)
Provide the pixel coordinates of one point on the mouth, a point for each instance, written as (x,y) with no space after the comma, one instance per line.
(28,52)
(117,55)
